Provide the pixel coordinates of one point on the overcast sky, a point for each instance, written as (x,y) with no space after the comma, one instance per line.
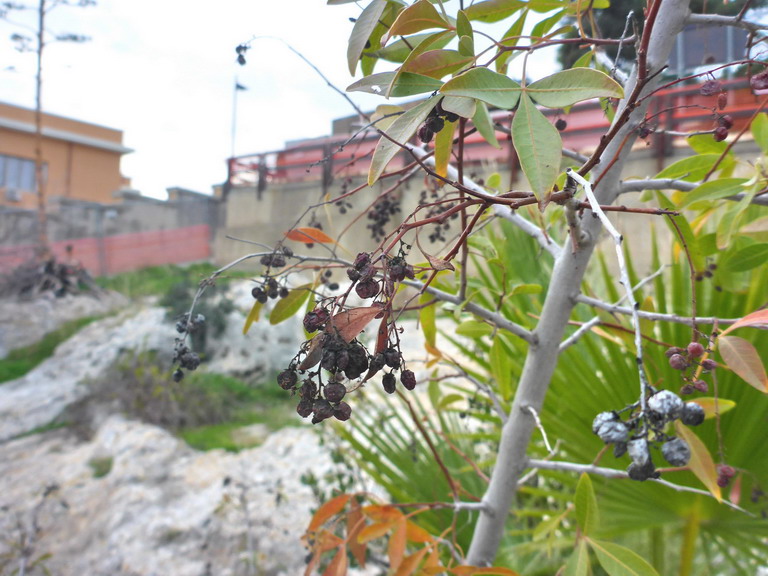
(163,72)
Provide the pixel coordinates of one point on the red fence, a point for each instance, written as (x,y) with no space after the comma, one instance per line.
(125,252)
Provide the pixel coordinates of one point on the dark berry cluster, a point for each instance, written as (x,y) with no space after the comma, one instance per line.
(277,258)
(434,123)
(381,214)
(183,356)
(642,430)
(435,209)
(686,360)
(269,289)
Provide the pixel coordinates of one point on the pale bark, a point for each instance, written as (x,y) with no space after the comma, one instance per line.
(565,283)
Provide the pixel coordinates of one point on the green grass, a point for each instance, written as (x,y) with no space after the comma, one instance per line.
(158,280)
(265,404)
(20,361)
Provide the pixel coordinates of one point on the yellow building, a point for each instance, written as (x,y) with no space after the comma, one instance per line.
(82,160)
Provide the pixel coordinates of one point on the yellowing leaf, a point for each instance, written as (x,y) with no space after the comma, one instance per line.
(443,147)
(382,513)
(427,314)
(253,316)
(396,544)
(339,564)
(410,563)
(742,357)
(327,511)
(708,404)
(309,236)
(701,463)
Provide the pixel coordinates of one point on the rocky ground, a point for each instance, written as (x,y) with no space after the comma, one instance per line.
(133,499)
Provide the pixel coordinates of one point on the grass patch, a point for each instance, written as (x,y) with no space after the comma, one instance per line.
(264,404)
(158,280)
(100,466)
(20,361)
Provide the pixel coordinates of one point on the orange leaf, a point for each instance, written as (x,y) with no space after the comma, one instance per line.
(741,357)
(351,322)
(433,564)
(338,566)
(309,236)
(355,524)
(474,570)
(709,403)
(396,547)
(373,531)
(415,533)
(381,341)
(757,319)
(328,510)
(382,513)
(701,463)
(410,563)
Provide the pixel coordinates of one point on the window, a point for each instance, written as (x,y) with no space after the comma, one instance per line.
(17,174)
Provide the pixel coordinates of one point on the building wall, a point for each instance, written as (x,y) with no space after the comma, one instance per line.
(75,170)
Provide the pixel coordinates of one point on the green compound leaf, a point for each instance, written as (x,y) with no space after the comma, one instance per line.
(401,131)
(570,86)
(586,505)
(578,564)
(493,10)
(366,22)
(539,147)
(417,17)
(405,84)
(437,63)
(484,124)
(713,190)
(620,561)
(485,85)
(290,305)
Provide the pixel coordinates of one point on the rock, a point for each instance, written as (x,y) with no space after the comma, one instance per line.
(163,508)
(25,322)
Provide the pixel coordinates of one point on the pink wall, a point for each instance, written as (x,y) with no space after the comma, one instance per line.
(124,252)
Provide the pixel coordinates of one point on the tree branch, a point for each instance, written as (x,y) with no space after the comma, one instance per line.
(653,316)
(719,20)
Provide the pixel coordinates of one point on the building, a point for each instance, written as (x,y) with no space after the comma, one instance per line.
(82,160)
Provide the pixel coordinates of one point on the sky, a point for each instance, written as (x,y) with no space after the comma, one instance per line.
(164,72)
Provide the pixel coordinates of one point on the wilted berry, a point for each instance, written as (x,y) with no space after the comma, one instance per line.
(642,472)
(342,412)
(391,357)
(726,121)
(335,392)
(353,274)
(695,350)
(189,360)
(377,362)
(362,260)
(304,408)
(722,100)
(287,379)
(321,410)
(693,414)
(389,382)
(178,375)
(425,134)
(666,404)
(720,134)
(619,449)
(638,451)
(613,432)
(601,419)
(561,124)
(259,295)
(710,88)
(678,362)
(759,81)
(408,379)
(435,124)
(316,319)
(358,361)
(181,326)
(451,116)
(676,452)
(672,351)
(687,389)
(701,386)
(367,288)
(287,251)
(708,364)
